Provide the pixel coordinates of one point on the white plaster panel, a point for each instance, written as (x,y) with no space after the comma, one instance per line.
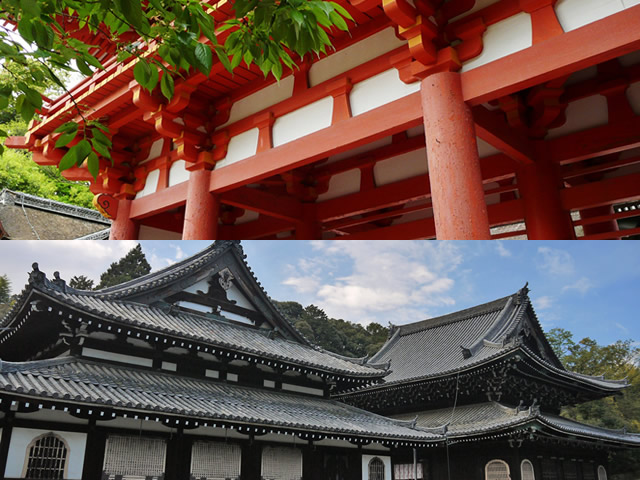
(178,173)
(172,367)
(583,114)
(46,415)
(202,285)
(403,166)
(131,423)
(247,216)
(630,3)
(268,96)
(301,389)
(630,59)
(582,75)
(150,184)
(502,39)
(379,90)
(212,373)
(479,5)
(234,294)
(416,131)
(22,437)
(232,377)
(357,151)
(152,233)
(240,147)
(301,122)
(485,149)
(116,357)
(365,465)
(194,306)
(574,14)
(269,383)
(156,149)
(357,54)
(633,94)
(342,184)
(236,317)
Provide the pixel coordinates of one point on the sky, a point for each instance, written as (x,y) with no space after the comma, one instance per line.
(588,288)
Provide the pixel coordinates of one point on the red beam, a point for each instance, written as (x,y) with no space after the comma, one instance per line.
(392,118)
(418,229)
(505,213)
(263,227)
(604,192)
(596,142)
(612,235)
(492,127)
(160,201)
(278,206)
(595,43)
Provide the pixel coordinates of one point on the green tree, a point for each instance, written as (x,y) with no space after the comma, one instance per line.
(5,288)
(81,282)
(168,37)
(336,335)
(614,361)
(133,265)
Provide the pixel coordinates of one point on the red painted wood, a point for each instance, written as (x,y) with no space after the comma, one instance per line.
(459,208)
(202,208)
(609,225)
(122,227)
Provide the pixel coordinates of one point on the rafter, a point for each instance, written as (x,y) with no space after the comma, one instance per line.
(492,127)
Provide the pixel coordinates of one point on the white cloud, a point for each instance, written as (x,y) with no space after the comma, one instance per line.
(624,329)
(543,303)
(554,261)
(502,250)
(377,281)
(582,286)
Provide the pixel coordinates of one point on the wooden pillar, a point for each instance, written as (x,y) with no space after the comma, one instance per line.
(459,208)
(251,461)
(308,227)
(602,227)
(94,453)
(7,429)
(539,185)
(201,213)
(122,227)
(178,464)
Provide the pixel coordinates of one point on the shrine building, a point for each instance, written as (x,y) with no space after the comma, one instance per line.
(192,373)
(430,119)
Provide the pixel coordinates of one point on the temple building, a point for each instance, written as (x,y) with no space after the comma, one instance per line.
(191,372)
(448,119)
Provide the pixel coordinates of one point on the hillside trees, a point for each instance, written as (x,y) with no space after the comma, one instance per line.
(133,265)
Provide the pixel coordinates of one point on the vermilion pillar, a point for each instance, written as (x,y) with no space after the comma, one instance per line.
(539,184)
(601,227)
(308,227)
(202,208)
(459,208)
(122,227)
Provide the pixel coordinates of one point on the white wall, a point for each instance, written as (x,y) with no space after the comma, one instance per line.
(22,437)
(365,466)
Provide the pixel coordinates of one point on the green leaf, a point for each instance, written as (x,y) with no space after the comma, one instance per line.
(83,67)
(132,12)
(67,127)
(93,164)
(101,148)
(166,86)
(142,72)
(30,8)
(204,59)
(76,155)
(65,139)
(100,137)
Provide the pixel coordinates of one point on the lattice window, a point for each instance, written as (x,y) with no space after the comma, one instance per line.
(404,471)
(134,457)
(526,468)
(47,458)
(281,463)
(588,471)
(376,469)
(497,470)
(549,470)
(215,461)
(602,473)
(570,470)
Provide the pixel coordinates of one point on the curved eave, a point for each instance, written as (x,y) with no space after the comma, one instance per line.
(198,343)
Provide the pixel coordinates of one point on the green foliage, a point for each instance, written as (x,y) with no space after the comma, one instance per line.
(174,37)
(5,288)
(133,265)
(614,361)
(338,336)
(18,172)
(81,282)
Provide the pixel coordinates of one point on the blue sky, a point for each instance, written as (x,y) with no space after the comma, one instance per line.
(589,288)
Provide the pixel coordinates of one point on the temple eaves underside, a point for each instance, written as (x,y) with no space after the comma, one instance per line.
(544,127)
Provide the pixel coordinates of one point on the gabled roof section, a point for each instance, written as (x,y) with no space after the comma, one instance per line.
(202,275)
(469,338)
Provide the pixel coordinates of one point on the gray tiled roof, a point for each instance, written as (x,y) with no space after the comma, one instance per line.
(465,339)
(214,332)
(493,417)
(86,382)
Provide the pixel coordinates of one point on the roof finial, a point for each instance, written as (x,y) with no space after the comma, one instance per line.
(59,282)
(36,277)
